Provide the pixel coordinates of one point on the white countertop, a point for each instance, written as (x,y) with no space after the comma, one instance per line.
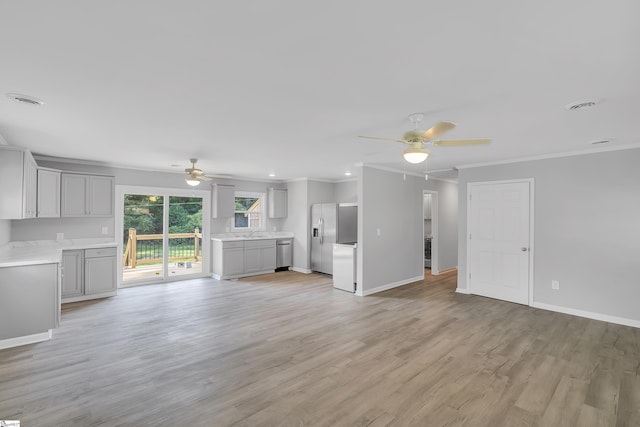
(32,252)
(258,235)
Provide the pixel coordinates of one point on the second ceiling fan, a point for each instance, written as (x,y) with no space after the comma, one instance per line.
(417,138)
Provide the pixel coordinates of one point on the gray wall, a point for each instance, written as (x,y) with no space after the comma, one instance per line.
(393,205)
(5,231)
(346,191)
(586,229)
(297,222)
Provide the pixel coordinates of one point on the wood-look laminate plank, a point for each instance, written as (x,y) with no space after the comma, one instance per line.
(288,349)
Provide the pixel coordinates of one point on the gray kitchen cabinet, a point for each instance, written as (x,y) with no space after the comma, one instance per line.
(223,201)
(19,178)
(72,273)
(239,258)
(277,202)
(29,300)
(233,261)
(88,274)
(426,206)
(86,195)
(99,272)
(259,255)
(48,193)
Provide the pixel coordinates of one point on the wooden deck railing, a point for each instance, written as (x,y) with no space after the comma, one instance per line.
(133,255)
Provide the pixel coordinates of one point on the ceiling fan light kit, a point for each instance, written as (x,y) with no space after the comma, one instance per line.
(192,182)
(416,154)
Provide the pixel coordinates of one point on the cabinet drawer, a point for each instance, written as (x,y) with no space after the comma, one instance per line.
(102,252)
(260,243)
(233,244)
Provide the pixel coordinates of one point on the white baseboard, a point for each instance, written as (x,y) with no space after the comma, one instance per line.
(27,339)
(389,286)
(301,270)
(588,314)
(446,270)
(463,291)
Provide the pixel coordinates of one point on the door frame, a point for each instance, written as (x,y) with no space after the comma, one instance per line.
(531,182)
(166,192)
(435,269)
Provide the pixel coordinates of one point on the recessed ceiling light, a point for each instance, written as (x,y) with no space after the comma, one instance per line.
(25,99)
(580,105)
(272,174)
(347,173)
(174,165)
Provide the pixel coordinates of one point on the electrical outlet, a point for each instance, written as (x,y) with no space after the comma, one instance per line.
(105,230)
(555,285)
(59,236)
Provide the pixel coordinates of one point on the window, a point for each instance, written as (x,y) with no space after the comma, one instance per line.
(248,211)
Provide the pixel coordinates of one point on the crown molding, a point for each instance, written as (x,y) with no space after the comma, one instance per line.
(551,156)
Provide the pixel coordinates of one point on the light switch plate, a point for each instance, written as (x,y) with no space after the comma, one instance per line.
(105,230)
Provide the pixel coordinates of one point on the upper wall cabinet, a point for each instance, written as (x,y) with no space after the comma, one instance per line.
(426,206)
(277,202)
(223,201)
(19,178)
(48,193)
(87,195)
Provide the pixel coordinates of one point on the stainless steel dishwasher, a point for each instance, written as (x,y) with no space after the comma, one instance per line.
(284,254)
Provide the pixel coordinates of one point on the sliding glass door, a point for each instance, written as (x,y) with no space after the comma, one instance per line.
(162,234)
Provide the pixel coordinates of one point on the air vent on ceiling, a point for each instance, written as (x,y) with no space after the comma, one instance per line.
(580,105)
(26,99)
(602,141)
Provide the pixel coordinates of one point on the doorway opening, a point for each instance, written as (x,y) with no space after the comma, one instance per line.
(430,230)
(163,235)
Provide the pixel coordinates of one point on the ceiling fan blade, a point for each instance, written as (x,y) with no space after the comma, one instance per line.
(439,128)
(210,177)
(383,139)
(462,142)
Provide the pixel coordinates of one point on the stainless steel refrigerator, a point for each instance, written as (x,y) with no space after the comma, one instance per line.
(331,223)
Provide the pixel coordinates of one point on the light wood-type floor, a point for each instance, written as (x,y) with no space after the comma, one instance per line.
(288,349)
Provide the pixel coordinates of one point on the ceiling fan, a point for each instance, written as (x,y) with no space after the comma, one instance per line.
(417,138)
(195,176)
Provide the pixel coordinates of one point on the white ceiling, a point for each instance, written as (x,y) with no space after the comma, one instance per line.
(286,86)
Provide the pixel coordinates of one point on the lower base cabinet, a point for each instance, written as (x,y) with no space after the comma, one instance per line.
(88,274)
(29,302)
(240,258)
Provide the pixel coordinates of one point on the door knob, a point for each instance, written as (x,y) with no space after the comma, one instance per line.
(524,249)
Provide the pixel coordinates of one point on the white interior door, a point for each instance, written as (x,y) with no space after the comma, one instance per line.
(499,240)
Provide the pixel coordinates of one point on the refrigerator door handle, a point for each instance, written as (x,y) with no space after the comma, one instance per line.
(321,227)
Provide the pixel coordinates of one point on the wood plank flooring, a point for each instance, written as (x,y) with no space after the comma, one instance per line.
(287,349)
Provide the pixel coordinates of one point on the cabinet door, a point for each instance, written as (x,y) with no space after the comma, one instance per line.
(252,259)
(75,190)
(268,258)
(48,193)
(232,262)
(223,201)
(30,189)
(99,275)
(101,196)
(72,273)
(277,203)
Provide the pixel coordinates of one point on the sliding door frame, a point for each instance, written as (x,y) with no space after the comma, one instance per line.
(166,193)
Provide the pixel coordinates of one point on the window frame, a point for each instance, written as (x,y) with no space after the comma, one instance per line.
(261,211)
